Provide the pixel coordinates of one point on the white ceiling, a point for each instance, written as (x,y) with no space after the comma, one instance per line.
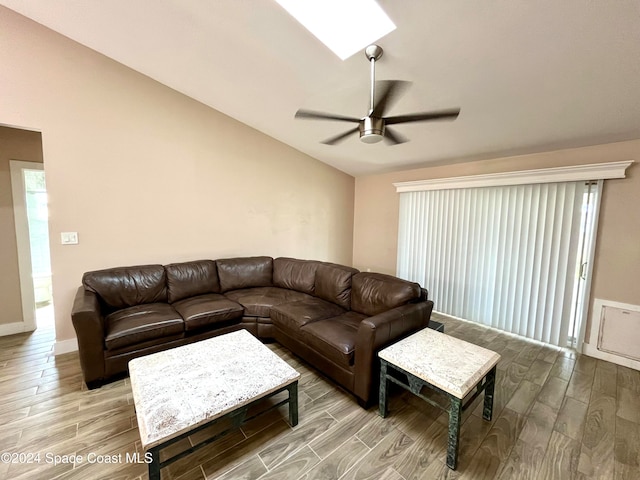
(529,76)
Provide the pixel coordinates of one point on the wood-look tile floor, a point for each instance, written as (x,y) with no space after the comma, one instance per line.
(557,415)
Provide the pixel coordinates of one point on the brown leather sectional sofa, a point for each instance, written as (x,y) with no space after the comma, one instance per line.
(333,316)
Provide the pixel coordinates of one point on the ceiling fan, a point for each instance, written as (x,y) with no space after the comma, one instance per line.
(374,126)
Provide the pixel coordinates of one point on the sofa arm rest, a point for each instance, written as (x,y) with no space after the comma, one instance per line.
(379,331)
(88,323)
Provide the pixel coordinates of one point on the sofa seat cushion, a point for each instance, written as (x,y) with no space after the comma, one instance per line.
(257,302)
(293,315)
(335,337)
(206,310)
(141,323)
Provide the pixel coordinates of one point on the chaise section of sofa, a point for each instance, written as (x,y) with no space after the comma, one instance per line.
(333,316)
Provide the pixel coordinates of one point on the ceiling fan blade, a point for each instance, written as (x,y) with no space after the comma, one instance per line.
(339,138)
(387,93)
(451,114)
(394,138)
(313,115)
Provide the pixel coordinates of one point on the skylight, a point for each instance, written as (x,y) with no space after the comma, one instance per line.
(345,26)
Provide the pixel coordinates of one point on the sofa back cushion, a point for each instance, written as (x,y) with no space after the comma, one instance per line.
(246,272)
(333,283)
(374,293)
(123,287)
(295,274)
(189,279)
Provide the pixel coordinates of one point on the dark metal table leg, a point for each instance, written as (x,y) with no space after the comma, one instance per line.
(490,383)
(154,466)
(382,398)
(455,412)
(293,403)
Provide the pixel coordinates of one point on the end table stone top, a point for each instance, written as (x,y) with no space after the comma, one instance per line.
(446,362)
(177,390)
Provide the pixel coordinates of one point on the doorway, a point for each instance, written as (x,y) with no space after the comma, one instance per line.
(32,234)
(584,263)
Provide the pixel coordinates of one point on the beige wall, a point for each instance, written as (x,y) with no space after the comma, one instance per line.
(145,174)
(618,244)
(14,145)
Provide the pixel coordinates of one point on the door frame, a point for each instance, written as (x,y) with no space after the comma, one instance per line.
(18,191)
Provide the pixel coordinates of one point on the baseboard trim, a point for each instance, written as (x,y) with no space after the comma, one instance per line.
(65,346)
(504,332)
(13,328)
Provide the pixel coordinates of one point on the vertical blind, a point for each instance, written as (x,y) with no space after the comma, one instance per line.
(503,256)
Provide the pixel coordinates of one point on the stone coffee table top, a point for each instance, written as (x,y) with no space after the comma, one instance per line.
(448,363)
(177,390)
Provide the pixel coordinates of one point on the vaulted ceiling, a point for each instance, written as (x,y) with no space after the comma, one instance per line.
(528,76)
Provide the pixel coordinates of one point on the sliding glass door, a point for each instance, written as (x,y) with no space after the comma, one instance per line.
(511,257)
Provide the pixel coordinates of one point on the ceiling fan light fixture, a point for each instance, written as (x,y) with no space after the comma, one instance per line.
(371,130)
(371,138)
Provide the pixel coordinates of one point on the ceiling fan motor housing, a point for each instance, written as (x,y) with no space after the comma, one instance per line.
(371,129)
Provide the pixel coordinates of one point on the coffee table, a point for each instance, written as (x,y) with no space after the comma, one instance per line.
(183,390)
(445,364)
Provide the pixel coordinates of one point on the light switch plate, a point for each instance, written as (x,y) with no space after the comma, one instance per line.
(69,238)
